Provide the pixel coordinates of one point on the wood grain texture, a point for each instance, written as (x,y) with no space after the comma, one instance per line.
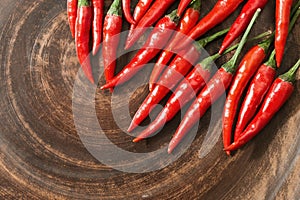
(42,156)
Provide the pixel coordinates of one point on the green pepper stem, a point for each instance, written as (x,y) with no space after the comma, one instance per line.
(115,8)
(196,5)
(294,18)
(203,42)
(206,63)
(271,61)
(173,16)
(290,75)
(82,3)
(230,66)
(295,7)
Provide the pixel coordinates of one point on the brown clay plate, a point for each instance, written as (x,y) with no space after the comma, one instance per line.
(44,156)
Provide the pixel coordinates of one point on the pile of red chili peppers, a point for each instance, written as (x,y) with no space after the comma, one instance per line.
(189,76)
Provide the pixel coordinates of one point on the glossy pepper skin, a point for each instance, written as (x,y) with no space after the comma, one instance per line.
(257,90)
(178,68)
(280,91)
(97,24)
(153,14)
(259,85)
(282,20)
(216,86)
(241,22)
(218,14)
(139,11)
(182,6)
(126,10)
(247,68)
(185,92)
(187,22)
(83,27)
(72,14)
(156,41)
(111,28)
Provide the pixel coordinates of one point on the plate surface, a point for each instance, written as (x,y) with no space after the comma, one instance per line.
(44,157)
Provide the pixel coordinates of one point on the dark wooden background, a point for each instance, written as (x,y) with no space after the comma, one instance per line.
(42,156)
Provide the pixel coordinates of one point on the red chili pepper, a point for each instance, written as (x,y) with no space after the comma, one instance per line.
(185,92)
(182,6)
(282,20)
(247,68)
(97,23)
(255,94)
(111,28)
(72,14)
(279,93)
(156,41)
(218,14)
(259,86)
(126,10)
(83,27)
(187,22)
(210,93)
(139,11)
(157,9)
(242,21)
(178,68)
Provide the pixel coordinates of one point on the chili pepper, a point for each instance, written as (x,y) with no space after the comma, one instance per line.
(211,92)
(156,41)
(139,11)
(126,10)
(157,9)
(97,24)
(83,26)
(278,94)
(182,6)
(72,14)
(242,21)
(282,20)
(178,68)
(255,94)
(186,91)
(111,28)
(259,86)
(187,22)
(218,14)
(247,68)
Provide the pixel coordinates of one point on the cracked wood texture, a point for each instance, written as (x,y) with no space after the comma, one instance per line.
(43,157)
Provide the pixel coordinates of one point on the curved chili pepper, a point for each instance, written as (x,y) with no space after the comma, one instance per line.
(247,68)
(178,68)
(187,22)
(259,86)
(280,91)
(282,20)
(242,21)
(126,10)
(210,93)
(111,28)
(97,24)
(139,11)
(218,14)
(156,41)
(255,94)
(182,6)
(83,27)
(72,14)
(157,9)
(185,92)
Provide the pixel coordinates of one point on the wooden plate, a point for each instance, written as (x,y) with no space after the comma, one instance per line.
(44,157)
